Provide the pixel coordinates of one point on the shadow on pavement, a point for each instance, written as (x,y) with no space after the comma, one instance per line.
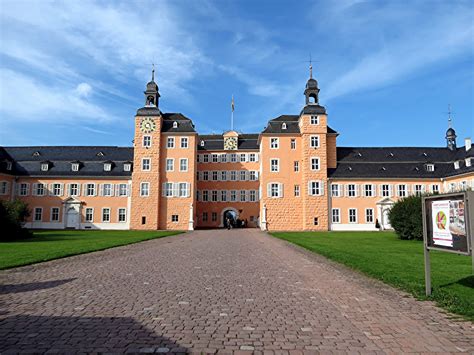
(33,286)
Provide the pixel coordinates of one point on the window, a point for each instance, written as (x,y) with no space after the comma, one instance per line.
(315,188)
(314,164)
(252,175)
(243,196)
(435,189)
(3,187)
(352,215)
(243,175)
(40,189)
(275,190)
(145,189)
(335,190)
(274,166)
(418,189)
(283,125)
(169,164)
(183,164)
(252,195)
(430,167)
(147,141)
(204,216)
(296,166)
(175,124)
(297,190)
(243,157)
(369,215)
(214,216)
(214,195)
(205,158)
(369,190)
(146,164)
(293,143)
(54,214)
(89,214)
(38,215)
(274,143)
(184,142)
(205,175)
(452,186)
(9,165)
(215,175)
(127,167)
(402,190)
(57,189)
(90,190)
(336,215)
(223,195)
(44,166)
(214,158)
(75,166)
(351,190)
(168,189)
(314,120)
(233,175)
(24,189)
(170,142)
(233,195)
(205,196)
(385,190)
(107,190)
(252,157)
(143,219)
(123,190)
(315,221)
(314,141)
(223,175)
(122,215)
(107,166)
(106,214)
(233,158)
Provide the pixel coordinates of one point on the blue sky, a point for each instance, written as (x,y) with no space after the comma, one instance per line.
(73,72)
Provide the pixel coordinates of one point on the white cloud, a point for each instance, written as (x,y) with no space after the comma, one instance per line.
(84,90)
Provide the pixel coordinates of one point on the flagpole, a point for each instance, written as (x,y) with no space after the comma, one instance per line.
(232,114)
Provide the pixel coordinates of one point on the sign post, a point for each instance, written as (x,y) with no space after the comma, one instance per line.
(448,225)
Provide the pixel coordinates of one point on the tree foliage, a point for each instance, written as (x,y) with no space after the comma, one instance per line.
(406,218)
(12,216)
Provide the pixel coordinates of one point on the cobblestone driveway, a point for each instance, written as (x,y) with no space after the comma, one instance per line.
(209,291)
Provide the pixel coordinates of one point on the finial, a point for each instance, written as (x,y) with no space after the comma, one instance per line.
(449,115)
(310,67)
(153,72)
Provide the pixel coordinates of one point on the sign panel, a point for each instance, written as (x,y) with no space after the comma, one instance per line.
(446,223)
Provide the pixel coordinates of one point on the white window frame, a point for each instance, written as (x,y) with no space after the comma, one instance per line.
(170,142)
(296,190)
(91,214)
(349,215)
(75,166)
(181,160)
(277,160)
(296,166)
(144,189)
(4,187)
(318,164)
(146,164)
(432,188)
(314,141)
(252,157)
(351,193)
(184,143)
(274,143)
(44,166)
(275,190)
(402,192)
(107,166)
(169,164)
(37,191)
(314,120)
(120,214)
(127,167)
(371,190)
(335,217)
(51,214)
(103,214)
(90,186)
(122,190)
(385,190)
(335,190)
(293,143)
(25,191)
(146,142)
(35,210)
(57,189)
(104,189)
(315,188)
(371,215)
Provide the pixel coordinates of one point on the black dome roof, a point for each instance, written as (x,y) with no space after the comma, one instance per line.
(152,86)
(450,132)
(312,84)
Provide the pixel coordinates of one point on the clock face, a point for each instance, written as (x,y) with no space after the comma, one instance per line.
(230,143)
(147,125)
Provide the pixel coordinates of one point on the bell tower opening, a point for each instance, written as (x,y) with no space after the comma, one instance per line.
(152,94)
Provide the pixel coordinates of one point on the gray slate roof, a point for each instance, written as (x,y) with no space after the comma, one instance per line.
(185,125)
(216,142)
(292,127)
(27,160)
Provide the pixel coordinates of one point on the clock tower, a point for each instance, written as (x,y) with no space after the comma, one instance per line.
(144,212)
(231,140)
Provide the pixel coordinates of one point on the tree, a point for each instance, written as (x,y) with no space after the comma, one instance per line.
(12,216)
(406,218)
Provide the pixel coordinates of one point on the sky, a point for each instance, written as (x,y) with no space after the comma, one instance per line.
(74,72)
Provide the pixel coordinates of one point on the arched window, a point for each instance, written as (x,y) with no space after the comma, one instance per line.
(283,126)
(312,99)
(175,124)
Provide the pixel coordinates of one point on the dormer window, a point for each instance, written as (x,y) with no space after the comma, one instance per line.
(36,154)
(283,126)
(107,166)
(44,166)
(314,120)
(75,166)
(100,154)
(175,124)
(9,165)
(456,165)
(202,143)
(468,161)
(430,167)
(127,166)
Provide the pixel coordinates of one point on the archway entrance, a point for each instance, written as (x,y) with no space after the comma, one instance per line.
(229,215)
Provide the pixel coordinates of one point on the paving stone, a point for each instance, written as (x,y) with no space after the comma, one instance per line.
(151,297)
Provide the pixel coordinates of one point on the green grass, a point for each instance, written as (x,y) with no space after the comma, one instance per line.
(398,263)
(49,245)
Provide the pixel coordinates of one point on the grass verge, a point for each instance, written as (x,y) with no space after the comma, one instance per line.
(55,244)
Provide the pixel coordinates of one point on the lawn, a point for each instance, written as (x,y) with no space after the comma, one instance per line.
(398,263)
(48,245)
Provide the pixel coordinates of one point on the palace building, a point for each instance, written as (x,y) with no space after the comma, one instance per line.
(290,176)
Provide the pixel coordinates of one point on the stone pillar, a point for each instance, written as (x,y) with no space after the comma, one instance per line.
(263,223)
(191,217)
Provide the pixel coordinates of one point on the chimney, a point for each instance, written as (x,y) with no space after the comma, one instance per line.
(468,144)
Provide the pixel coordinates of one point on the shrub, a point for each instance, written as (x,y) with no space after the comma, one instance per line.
(406,218)
(12,216)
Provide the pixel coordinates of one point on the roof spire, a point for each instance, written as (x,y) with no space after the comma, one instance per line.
(153,72)
(449,116)
(310,67)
